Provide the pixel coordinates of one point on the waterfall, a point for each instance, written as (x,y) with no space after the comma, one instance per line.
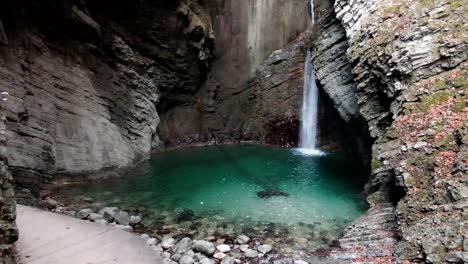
(309,122)
(312,15)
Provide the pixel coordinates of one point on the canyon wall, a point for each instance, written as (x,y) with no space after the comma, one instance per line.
(8,229)
(409,64)
(84,80)
(247,32)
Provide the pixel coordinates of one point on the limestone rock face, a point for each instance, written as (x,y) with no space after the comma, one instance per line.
(8,230)
(409,64)
(246,32)
(86,101)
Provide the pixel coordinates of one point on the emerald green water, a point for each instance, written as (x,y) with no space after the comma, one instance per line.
(213,191)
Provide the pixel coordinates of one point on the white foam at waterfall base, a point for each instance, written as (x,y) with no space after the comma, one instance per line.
(309,124)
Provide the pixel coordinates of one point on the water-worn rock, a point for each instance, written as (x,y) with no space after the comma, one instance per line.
(186,260)
(94,217)
(151,241)
(242,239)
(227,260)
(250,253)
(135,220)
(223,248)
(264,249)
(204,247)
(124,228)
(101,221)
(108,213)
(206,261)
(219,255)
(122,218)
(184,245)
(167,242)
(50,203)
(83,214)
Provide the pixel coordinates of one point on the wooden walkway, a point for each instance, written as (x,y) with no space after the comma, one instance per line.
(48,238)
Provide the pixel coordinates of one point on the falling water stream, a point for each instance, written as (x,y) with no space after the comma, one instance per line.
(309,123)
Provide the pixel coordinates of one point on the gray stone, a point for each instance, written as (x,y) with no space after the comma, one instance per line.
(94,217)
(145,236)
(176,256)
(83,214)
(108,213)
(157,248)
(135,220)
(265,249)
(244,247)
(186,260)
(299,261)
(242,239)
(223,248)
(184,245)
(101,221)
(70,213)
(122,218)
(151,241)
(167,260)
(51,203)
(227,260)
(206,261)
(124,228)
(454,257)
(219,255)
(204,247)
(250,253)
(167,242)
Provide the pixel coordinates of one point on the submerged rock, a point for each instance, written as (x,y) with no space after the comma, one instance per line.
(265,249)
(185,215)
(242,239)
(271,193)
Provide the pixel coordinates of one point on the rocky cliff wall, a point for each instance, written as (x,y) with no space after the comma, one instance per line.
(8,229)
(247,32)
(84,80)
(409,64)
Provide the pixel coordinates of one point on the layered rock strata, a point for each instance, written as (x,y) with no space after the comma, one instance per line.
(8,229)
(409,63)
(247,32)
(84,80)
